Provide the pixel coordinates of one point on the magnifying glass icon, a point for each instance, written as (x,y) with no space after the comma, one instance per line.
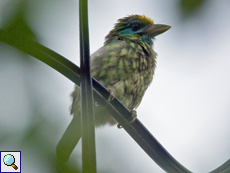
(9,160)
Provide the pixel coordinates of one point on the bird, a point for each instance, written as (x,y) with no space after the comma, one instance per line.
(125,65)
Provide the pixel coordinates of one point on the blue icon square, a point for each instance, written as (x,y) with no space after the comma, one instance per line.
(10,161)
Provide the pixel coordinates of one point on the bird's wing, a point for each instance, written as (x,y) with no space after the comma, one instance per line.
(105,65)
(115,66)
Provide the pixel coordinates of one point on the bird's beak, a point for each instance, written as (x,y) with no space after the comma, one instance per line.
(156,29)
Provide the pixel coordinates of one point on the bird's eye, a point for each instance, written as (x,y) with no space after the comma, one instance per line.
(135,26)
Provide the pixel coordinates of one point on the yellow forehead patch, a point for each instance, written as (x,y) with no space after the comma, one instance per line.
(137,35)
(145,19)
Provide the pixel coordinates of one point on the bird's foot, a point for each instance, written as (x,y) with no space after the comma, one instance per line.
(131,120)
(133,116)
(110,98)
(112,94)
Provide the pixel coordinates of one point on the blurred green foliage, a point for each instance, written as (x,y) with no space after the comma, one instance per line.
(40,133)
(18,24)
(38,140)
(188,7)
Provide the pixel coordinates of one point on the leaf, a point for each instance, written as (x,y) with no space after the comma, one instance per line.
(190,6)
(19,24)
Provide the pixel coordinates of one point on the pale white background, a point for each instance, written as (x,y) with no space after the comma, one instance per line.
(186,107)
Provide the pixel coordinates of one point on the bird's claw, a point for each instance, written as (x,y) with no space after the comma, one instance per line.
(119,126)
(131,120)
(133,117)
(111,96)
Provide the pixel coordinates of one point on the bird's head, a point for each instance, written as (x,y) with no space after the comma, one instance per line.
(137,26)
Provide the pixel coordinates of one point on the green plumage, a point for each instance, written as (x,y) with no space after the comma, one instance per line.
(125,65)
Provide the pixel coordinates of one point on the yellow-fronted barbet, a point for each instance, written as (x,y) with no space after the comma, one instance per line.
(125,65)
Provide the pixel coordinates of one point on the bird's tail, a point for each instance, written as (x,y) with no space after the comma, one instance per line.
(69,139)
